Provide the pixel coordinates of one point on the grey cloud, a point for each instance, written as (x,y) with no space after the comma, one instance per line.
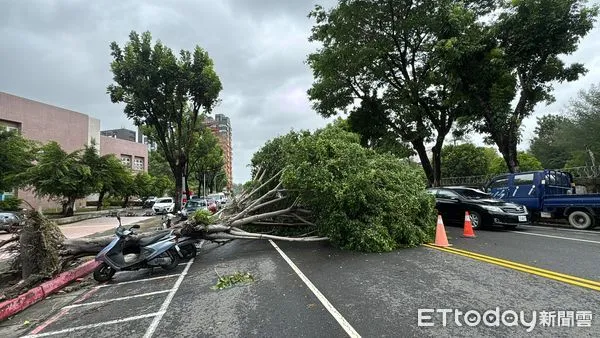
(58,52)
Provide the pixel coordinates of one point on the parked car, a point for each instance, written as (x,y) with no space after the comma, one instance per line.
(10,221)
(149,202)
(453,202)
(193,205)
(548,194)
(164,205)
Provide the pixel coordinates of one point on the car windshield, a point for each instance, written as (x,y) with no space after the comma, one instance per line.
(472,193)
(195,204)
(164,200)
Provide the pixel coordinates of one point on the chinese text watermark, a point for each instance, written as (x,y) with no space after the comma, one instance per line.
(496,317)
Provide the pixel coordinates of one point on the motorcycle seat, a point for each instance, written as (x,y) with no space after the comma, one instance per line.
(152,239)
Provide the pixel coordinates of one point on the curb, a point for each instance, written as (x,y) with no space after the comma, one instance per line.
(13,306)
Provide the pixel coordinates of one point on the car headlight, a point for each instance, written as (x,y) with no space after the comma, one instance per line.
(491,208)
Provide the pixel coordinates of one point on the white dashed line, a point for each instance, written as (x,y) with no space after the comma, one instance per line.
(332,310)
(167,301)
(138,280)
(117,299)
(91,326)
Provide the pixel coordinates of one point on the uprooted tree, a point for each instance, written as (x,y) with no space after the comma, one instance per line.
(307,187)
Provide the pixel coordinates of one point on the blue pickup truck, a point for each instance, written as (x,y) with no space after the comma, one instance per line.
(548,194)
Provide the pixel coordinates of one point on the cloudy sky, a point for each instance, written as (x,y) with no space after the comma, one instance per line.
(57,52)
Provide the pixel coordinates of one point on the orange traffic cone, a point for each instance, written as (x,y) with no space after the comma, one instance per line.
(440,233)
(468,230)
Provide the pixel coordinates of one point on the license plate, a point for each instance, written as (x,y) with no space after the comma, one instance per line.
(522,218)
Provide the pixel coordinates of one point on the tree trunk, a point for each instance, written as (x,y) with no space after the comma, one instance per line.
(100,199)
(178,186)
(508,149)
(68,209)
(125,202)
(425,163)
(436,154)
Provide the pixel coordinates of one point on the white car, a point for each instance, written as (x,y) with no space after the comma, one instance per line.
(164,205)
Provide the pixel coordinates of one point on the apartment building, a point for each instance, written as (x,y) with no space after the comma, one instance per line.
(72,130)
(221,127)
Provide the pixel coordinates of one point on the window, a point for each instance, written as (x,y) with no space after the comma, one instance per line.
(126,160)
(138,163)
(446,194)
(472,193)
(523,179)
(164,200)
(9,126)
(499,183)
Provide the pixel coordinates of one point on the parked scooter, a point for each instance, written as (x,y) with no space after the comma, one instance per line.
(160,250)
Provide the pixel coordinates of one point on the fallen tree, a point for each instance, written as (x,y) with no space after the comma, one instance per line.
(306,187)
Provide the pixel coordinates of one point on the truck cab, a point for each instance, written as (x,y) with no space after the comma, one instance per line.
(547,194)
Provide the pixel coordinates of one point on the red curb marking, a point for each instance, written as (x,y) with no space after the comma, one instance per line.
(20,303)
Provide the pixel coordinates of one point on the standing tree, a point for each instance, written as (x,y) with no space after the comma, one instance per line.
(108,172)
(465,160)
(519,62)
(165,94)
(527,160)
(16,156)
(61,175)
(548,145)
(387,55)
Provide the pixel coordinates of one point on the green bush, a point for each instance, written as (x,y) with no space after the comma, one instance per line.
(11,204)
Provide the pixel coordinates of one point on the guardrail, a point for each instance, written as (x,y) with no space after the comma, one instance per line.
(589,172)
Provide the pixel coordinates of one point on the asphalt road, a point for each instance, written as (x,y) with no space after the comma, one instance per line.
(566,251)
(333,293)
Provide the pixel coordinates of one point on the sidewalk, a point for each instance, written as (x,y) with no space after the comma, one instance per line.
(85,228)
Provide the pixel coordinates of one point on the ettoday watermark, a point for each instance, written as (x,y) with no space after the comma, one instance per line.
(497,317)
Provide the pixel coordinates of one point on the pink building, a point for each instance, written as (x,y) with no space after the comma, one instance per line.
(72,130)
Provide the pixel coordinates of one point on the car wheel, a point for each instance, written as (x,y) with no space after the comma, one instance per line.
(581,220)
(476,220)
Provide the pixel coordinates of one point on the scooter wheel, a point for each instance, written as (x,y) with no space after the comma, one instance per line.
(104,273)
(189,251)
(174,260)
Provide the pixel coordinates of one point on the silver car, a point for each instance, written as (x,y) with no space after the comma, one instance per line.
(9,221)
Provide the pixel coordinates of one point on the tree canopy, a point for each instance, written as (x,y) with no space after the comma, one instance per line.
(466,160)
(360,199)
(522,64)
(413,69)
(570,140)
(60,175)
(388,56)
(16,156)
(165,94)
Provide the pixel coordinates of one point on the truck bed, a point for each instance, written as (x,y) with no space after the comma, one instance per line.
(587,200)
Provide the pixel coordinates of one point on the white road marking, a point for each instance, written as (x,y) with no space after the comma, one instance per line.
(167,301)
(332,310)
(117,299)
(91,326)
(557,228)
(558,237)
(138,280)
